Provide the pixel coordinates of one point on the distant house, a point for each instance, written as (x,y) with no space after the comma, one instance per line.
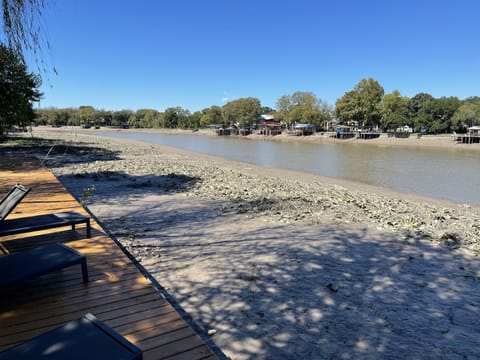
(269,126)
(304,129)
(472,137)
(344,132)
(405,128)
(474,130)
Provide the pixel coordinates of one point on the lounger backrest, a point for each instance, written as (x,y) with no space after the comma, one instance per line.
(12,199)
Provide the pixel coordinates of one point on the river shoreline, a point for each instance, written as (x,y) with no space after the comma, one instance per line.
(281,264)
(428,141)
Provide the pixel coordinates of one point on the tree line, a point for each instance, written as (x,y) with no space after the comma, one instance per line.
(366,106)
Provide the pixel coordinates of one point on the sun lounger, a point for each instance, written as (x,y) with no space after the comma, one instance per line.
(25,265)
(38,222)
(11,200)
(85,338)
(43,222)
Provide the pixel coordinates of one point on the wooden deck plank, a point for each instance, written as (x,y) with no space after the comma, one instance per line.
(179,347)
(117,293)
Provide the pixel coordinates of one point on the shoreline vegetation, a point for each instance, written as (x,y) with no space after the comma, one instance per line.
(279,263)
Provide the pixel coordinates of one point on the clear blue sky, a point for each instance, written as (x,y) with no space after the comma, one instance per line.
(134,54)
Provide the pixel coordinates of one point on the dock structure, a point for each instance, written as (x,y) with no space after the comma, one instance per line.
(119,292)
(367,135)
(344,132)
(468,139)
(471,137)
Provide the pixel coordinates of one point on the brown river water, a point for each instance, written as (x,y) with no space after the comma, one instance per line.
(442,173)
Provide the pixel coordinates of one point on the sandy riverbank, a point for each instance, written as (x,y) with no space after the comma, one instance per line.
(283,264)
(430,141)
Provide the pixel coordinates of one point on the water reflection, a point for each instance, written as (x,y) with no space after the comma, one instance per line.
(443,173)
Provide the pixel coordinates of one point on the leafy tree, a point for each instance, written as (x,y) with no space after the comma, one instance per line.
(347,109)
(184,118)
(362,104)
(176,117)
(170,118)
(243,111)
(195,119)
(395,111)
(472,100)
(103,118)
(121,117)
(417,102)
(18,90)
(436,114)
(133,121)
(87,114)
(47,116)
(21,27)
(147,118)
(303,107)
(211,116)
(370,94)
(265,110)
(468,114)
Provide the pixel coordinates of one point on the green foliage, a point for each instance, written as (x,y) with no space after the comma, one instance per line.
(303,107)
(86,194)
(121,117)
(265,110)
(362,105)
(195,119)
(436,114)
(148,118)
(395,111)
(347,109)
(211,116)
(87,114)
(468,114)
(365,106)
(176,117)
(22,29)
(18,90)
(243,111)
(417,102)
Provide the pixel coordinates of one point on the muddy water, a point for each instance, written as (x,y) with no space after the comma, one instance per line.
(442,173)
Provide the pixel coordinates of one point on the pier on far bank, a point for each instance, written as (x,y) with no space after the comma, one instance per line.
(471,137)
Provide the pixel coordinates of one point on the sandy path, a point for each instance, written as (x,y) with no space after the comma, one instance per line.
(271,289)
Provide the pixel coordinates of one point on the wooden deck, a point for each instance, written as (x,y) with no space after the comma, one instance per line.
(117,293)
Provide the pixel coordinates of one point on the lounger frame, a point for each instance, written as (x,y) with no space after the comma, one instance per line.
(25,265)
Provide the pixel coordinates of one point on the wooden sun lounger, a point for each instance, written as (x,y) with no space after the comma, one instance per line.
(25,265)
(34,223)
(86,338)
(11,200)
(43,222)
